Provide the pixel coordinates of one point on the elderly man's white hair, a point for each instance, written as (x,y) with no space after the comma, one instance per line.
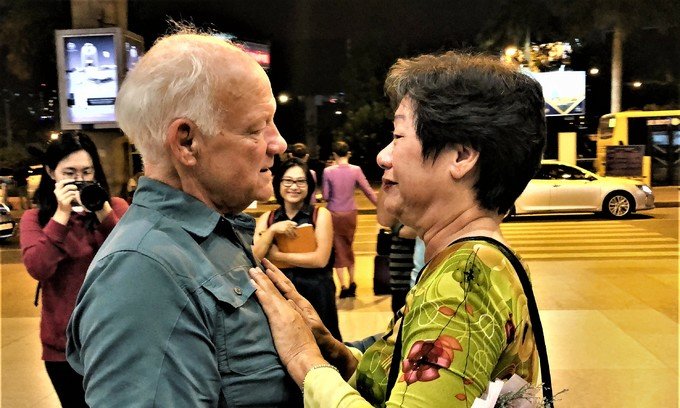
(175,79)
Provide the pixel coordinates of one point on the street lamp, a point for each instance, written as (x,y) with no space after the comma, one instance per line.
(283,98)
(510,51)
(594,71)
(338,112)
(637,84)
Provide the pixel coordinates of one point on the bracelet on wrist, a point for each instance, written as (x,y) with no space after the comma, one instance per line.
(314,368)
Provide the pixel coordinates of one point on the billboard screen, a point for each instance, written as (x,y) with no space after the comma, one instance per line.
(91,78)
(91,64)
(134,49)
(259,51)
(564,92)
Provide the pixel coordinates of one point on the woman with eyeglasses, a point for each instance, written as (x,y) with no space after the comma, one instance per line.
(59,239)
(310,272)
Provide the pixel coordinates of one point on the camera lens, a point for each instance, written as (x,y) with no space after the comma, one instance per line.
(92,195)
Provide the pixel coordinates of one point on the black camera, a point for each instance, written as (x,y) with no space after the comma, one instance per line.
(92,194)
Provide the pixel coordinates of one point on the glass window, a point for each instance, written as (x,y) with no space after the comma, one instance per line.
(571,173)
(544,172)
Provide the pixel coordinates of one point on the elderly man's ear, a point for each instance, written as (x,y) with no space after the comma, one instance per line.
(463,161)
(182,139)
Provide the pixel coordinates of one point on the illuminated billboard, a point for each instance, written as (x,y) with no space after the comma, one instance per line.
(259,51)
(91,65)
(564,92)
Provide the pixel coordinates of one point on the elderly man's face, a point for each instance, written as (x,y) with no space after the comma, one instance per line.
(234,167)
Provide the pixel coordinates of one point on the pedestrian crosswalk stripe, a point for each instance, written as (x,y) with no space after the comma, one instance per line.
(587,240)
(561,223)
(521,249)
(559,240)
(581,228)
(605,255)
(584,234)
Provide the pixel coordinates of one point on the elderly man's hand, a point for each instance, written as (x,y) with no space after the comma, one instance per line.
(294,341)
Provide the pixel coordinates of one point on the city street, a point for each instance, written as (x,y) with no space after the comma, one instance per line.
(607,289)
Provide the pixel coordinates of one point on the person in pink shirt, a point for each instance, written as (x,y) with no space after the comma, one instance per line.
(339,182)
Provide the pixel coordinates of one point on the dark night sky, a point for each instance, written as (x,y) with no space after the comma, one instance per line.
(309,38)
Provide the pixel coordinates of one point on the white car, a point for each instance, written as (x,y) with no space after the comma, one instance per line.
(7,223)
(562,188)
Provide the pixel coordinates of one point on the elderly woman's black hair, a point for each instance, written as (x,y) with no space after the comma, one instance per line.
(281,170)
(474,101)
(67,143)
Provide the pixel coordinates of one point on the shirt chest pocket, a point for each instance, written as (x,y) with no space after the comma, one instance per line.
(243,340)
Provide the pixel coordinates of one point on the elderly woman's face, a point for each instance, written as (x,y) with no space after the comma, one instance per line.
(409,183)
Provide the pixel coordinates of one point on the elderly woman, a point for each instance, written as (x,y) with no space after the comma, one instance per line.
(469,133)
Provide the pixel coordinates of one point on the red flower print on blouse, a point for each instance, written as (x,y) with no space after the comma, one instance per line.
(427,357)
(510,330)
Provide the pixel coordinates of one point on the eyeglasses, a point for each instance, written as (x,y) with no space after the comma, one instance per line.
(301,182)
(73,173)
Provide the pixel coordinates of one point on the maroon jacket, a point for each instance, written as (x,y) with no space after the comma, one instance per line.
(58,256)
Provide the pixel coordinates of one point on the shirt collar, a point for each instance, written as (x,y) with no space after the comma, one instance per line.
(193,215)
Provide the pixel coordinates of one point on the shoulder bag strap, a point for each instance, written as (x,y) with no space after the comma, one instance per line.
(394,364)
(536,325)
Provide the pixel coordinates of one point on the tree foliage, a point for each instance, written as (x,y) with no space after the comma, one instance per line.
(367,127)
(27,51)
(517,21)
(14,156)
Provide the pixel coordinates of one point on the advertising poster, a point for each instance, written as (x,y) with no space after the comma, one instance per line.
(624,161)
(564,92)
(91,78)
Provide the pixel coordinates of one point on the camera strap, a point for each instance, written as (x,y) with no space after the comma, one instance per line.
(37,295)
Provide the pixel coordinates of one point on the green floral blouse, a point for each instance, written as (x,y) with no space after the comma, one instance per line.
(466,323)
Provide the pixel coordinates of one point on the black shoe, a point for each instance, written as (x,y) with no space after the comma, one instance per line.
(352,290)
(344,292)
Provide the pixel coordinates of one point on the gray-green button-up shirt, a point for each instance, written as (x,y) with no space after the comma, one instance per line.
(167,316)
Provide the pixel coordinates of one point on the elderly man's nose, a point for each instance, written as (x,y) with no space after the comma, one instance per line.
(276,144)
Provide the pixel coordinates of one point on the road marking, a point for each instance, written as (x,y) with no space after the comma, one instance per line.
(605,255)
(590,240)
(521,249)
(560,241)
(583,234)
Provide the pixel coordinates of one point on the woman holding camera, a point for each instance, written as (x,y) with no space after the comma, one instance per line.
(60,238)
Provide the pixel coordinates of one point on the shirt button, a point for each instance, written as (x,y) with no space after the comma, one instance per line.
(238,291)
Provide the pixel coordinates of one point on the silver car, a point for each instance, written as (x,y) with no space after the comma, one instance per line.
(7,223)
(563,188)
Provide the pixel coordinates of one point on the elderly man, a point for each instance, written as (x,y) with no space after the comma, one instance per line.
(167,316)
